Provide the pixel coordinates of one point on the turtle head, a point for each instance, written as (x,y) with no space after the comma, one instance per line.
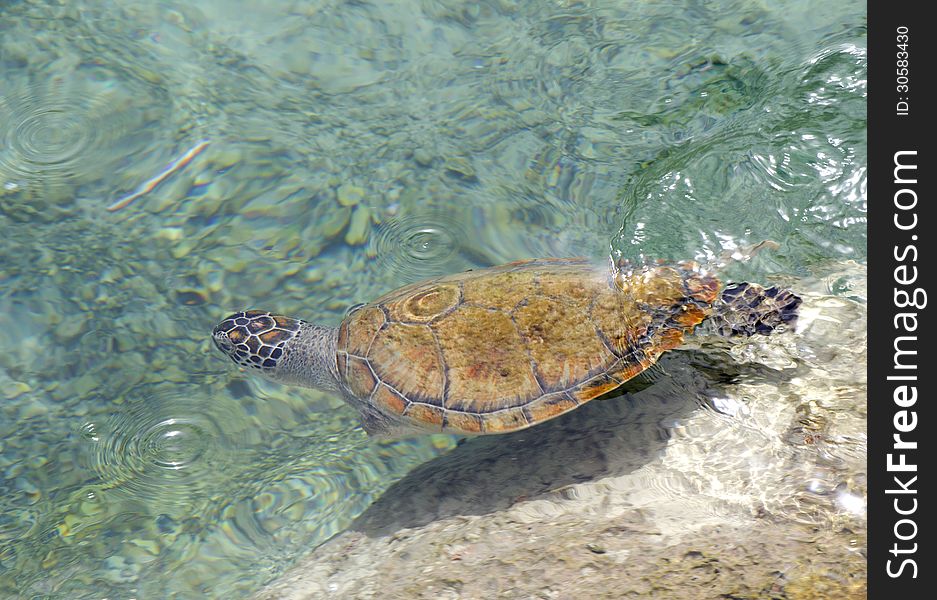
(280,348)
(255,338)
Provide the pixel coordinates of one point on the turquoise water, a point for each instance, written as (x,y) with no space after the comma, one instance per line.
(320,154)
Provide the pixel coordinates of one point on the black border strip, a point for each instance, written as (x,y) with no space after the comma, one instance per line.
(901,257)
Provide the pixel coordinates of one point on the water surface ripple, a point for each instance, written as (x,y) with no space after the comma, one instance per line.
(161,448)
(417,246)
(66,130)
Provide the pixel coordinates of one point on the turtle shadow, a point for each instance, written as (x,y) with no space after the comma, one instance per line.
(607,437)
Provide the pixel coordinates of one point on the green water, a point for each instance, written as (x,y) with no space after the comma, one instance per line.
(348,148)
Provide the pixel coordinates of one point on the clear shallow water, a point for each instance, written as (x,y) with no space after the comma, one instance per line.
(350,149)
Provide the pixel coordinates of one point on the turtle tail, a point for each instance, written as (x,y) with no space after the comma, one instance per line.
(749,309)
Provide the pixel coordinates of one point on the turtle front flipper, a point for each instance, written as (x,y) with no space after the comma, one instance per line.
(749,309)
(381,426)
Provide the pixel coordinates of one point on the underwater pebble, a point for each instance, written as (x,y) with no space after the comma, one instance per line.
(120,570)
(350,195)
(298,62)
(150,546)
(14,470)
(335,222)
(70,524)
(70,328)
(264,501)
(173,234)
(285,244)
(204,178)
(15,390)
(460,167)
(359,227)
(175,374)
(182,249)
(291,268)
(216,193)
(90,508)
(236,264)
(270,206)
(87,292)
(313,274)
(33,493)
(37,462)
(84,385)
(423,157)
(190,297)
(336,305)
(533,117)
(17,50)
(169,194)
(212,279)
(442,442)
(226,157)
(729,406)
(264,286)
(32,409)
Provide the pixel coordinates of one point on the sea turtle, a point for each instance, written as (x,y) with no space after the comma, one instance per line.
(499,349)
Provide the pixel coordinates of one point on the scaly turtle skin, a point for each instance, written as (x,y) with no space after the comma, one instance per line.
(499,349)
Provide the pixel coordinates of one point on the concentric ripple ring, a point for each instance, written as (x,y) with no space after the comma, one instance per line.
(415,247)
(161,449)
(75,127)
(50,136)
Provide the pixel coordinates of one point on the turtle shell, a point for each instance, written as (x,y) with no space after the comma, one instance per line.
(501,349)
